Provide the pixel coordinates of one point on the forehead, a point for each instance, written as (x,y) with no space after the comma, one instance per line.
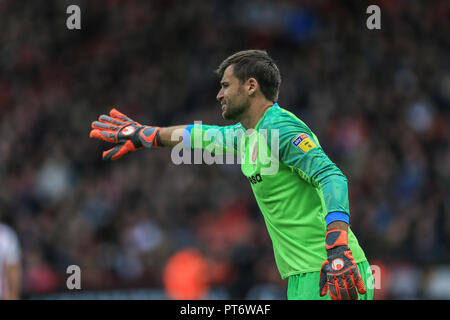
(228,74)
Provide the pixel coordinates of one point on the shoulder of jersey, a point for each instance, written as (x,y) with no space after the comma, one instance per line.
(302,139)
(279,118)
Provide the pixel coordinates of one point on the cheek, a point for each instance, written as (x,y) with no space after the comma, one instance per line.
(227,95)
(233,93)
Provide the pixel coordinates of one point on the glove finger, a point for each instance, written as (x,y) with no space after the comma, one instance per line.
(114,121)
(111,153)
(358,281)
(332,288)
(342,288)
(117,114)
(350,284)
(103,125)
(103,135)
(127,147)
(323,284)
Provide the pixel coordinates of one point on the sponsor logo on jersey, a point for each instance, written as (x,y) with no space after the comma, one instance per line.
(255,179)
(303,142)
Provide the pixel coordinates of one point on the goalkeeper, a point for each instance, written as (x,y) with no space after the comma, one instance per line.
(303,198)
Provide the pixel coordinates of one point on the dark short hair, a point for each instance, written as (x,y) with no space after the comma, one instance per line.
(255,64)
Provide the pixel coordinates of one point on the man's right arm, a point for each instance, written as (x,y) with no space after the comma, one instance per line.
(217,139)
(169,137)
(129,135)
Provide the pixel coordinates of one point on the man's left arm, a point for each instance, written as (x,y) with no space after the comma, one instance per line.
(300,150)
(339,274)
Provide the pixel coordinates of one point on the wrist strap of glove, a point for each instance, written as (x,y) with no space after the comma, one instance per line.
(149,136)
(336,237)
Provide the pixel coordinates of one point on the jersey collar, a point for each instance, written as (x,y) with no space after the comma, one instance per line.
(275,105)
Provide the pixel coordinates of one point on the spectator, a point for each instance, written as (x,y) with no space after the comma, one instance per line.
(10,264)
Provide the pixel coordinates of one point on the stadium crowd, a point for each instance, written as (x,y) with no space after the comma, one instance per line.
(378,100)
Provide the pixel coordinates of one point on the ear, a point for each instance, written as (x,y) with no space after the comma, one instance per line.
(252,86)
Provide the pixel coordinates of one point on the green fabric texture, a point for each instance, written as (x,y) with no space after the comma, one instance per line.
(294,182)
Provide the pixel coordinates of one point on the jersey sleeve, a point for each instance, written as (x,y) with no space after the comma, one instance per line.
(299,149)
(216,139)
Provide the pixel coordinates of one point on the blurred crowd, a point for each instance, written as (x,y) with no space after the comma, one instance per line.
(378,100)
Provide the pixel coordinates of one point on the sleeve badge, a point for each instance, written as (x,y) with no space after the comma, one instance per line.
(303,142)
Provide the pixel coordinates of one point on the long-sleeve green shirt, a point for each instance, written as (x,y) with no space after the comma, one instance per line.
(294,182)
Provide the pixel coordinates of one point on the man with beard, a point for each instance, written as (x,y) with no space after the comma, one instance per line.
(304,201)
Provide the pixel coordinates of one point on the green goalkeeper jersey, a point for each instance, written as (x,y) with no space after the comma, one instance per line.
(294,182)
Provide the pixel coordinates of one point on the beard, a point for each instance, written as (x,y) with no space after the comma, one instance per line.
(233,109)
(233,113)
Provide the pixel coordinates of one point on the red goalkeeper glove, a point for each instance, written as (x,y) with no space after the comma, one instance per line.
(128,135)
(339,273)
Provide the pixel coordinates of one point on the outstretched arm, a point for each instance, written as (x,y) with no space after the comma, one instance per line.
(129,135)
(168,135)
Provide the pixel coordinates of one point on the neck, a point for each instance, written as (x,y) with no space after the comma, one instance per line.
(250,119)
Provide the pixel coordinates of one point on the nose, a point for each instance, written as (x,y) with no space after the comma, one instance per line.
(220,95)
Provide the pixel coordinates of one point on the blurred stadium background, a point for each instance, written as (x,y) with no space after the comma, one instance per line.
(378,101)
